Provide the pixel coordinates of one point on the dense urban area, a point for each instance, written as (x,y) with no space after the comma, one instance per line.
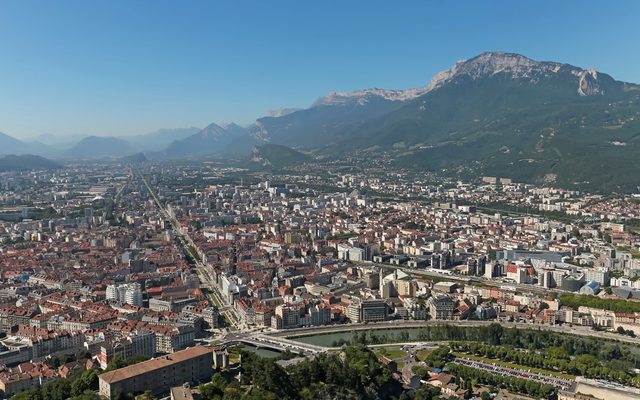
(326,280)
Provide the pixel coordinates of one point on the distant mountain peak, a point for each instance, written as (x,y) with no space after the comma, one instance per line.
(485,64)
(491,63)
(362,97)
(231,125)
(213,139)
(98,146)
(502,58)
(516,66)
(281,112)
(212,130)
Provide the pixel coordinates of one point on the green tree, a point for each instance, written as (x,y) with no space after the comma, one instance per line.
(59,389)
(88,395)
(33,394)
(88,380)
(147,395)
(427,392)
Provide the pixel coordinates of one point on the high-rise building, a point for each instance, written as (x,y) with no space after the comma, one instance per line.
(136,343)
(286,317)
(130,293)
(492,270)
(112,293)
(373,310)
(354,312)
(434,261)
(133,295)
(599,275)
(211,316)
(320,314)
(441,307)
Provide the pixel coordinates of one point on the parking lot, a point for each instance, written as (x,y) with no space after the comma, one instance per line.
(564,384)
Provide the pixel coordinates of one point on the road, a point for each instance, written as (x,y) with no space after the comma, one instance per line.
(260,340)
(399,324)
(116,198)
(204,272)
(206,276)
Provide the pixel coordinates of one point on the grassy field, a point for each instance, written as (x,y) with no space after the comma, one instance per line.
(515,366)
(231,326)
(234,355)
(215,301)
(393,352)
(422,355)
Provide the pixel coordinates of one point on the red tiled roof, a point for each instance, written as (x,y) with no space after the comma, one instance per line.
(151,365)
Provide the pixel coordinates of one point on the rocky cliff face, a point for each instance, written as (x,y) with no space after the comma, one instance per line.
(515,66)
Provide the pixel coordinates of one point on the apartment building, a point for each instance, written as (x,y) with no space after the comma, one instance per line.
(193,365)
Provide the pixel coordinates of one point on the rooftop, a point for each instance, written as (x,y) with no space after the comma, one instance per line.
(181,393)
(154,364)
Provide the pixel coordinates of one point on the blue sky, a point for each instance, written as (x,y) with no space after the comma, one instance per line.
(127,67)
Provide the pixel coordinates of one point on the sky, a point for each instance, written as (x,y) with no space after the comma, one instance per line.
(123,67)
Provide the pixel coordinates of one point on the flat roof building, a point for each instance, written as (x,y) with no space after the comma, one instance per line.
(182,393)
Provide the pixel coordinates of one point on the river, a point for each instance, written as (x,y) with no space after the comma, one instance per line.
(266,353)
(327,339)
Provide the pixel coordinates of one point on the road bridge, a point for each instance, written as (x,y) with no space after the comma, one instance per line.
(268,342)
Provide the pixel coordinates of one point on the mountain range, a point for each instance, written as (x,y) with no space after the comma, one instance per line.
(164,143)
(11,145)
(277,156)
(499,114)
(26,162)
(212,140)
(80,146)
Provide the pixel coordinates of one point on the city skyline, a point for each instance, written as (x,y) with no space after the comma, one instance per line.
(123,69)
(225,200)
